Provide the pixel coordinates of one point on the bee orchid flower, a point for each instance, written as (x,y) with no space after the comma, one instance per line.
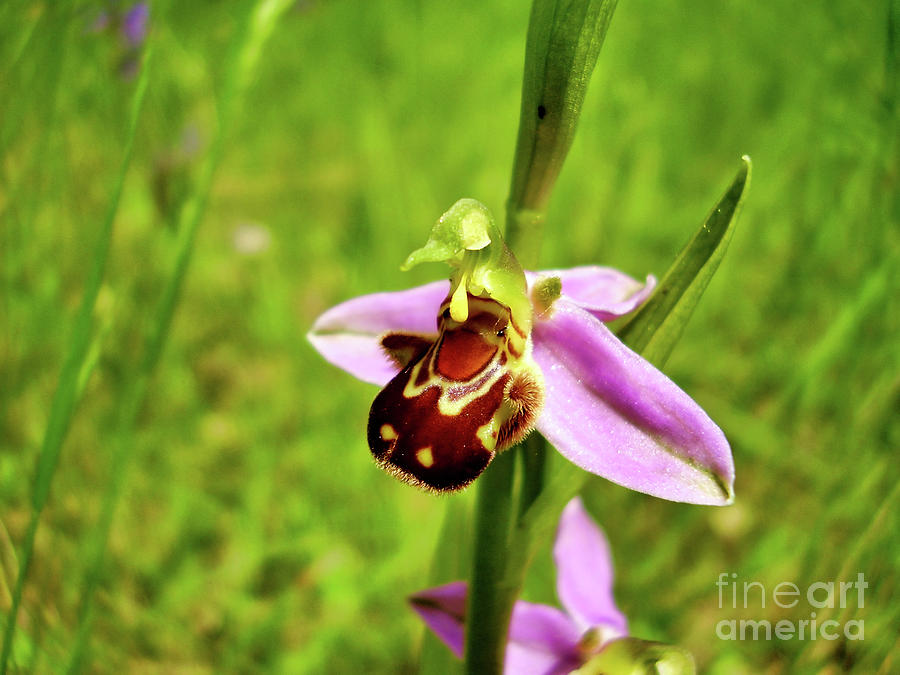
(469,368)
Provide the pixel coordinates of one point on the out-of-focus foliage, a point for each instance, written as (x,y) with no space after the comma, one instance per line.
(254,530)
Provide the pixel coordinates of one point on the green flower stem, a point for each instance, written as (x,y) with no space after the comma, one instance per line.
(525,230)
(490,600)
(564,39)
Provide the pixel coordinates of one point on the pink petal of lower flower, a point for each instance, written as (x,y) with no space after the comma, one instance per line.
(443,609)
(612,413)
(348,334)
(542,639)
(584,571)
(521,660)
(605,292)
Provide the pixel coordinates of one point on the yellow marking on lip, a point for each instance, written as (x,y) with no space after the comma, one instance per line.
(448,405)
(487,434)
(388,433)
(425,457)
(509,353)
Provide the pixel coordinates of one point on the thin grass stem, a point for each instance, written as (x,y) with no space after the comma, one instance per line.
(65,398)
(254,30)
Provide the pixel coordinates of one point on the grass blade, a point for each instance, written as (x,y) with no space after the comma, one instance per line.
(66,396)
(252,34)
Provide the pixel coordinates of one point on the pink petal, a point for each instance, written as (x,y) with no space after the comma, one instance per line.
(348,334)
(584,572)
(443,609)
(520,660)
(542,640)
(605,292)
(612,413)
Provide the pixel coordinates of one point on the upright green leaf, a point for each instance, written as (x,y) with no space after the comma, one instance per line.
(656,327)
(564,40)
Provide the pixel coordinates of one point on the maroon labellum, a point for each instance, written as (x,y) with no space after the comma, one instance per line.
(461,396)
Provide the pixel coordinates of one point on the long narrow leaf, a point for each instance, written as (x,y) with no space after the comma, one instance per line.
(564,40)
(656,327)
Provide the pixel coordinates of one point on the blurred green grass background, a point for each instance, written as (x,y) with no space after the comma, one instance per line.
(253,531)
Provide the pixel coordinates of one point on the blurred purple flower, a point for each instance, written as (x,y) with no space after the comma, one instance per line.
(134,24)
(129,28)
(544,640)
(606,409)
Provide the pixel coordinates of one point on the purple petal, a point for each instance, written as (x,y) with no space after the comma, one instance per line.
(348,335)
(542,640)
(584,572)
(612,413)
(443,609)
(134,24)
(605,292)
(520,660)
(542,627)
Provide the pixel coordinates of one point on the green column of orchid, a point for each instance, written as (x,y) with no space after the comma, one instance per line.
(564,39)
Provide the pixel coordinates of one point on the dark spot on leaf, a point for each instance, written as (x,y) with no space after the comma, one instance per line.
(541,112)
